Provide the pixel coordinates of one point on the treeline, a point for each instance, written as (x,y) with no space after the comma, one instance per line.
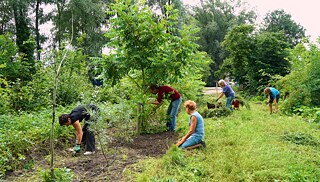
(148,42)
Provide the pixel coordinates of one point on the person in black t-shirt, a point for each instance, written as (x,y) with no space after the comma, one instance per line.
(74,118)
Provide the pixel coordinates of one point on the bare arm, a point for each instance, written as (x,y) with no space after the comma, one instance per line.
(190,132)
(78,128)
(275,105)
(155,102)
(220,95)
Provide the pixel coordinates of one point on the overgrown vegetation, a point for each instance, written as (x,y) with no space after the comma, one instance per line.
(301,87)
(148,47)
(25,135)
(249,145)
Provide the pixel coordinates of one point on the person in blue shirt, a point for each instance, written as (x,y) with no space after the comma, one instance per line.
(228,92)
(273,96)
(195,134)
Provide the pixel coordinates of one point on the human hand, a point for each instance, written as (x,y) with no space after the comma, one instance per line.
(179,143)
(77,148)
(179,140)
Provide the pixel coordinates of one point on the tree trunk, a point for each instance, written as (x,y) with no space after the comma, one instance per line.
(37,28)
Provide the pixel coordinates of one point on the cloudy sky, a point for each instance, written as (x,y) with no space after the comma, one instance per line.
(303,12)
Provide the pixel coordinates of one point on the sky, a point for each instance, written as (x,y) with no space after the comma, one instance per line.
(303,12)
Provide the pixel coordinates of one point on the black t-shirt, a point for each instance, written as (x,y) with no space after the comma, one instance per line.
(80,113)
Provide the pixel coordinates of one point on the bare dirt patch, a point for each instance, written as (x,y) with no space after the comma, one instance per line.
(119,154)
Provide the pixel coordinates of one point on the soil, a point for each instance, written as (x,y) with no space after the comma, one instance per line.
(118,156)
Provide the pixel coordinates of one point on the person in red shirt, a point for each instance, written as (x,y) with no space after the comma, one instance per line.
(168,93)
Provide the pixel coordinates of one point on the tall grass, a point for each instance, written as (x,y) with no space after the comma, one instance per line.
(249,145)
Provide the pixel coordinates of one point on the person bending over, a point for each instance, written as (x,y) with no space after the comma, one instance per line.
(175,101)
(76,116)
(273,96)
(228,92)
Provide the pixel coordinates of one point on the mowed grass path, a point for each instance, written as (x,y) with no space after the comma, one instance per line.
(249,145)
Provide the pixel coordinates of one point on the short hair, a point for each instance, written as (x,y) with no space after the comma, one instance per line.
(266,90)
(63,119)
(191,105)
(153,86)
(222,82)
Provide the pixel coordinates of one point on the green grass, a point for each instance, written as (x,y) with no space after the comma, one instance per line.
(249,145)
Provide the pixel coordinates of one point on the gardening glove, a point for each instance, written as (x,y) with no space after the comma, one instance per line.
(77,148)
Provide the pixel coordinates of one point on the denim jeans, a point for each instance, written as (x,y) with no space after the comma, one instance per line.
(190,142)
(229,102)
(172,113)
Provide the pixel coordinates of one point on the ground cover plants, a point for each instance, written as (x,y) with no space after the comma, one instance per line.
(25,137)
(249,145)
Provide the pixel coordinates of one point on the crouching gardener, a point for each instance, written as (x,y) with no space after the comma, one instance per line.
(83,134)
(195,135)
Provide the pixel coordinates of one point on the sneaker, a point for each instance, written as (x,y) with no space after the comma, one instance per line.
(89,152)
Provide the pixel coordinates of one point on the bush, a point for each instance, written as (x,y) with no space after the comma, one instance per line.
(302,84)
(4,96)
(19,134)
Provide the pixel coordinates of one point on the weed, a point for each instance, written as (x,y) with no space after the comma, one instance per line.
(300,139)
(61,175)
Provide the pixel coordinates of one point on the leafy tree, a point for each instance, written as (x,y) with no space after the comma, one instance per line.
(177,4)
(240,43)
(272,50)
(215,18)
(7,51)
(88,16)
(144,48)
(279,20)
(256,58)
(18,13)
(5,18)
(17,10)
(302,84)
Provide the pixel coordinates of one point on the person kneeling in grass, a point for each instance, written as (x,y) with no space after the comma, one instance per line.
(195,134)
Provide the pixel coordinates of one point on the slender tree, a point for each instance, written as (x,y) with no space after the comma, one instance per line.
(54,105)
